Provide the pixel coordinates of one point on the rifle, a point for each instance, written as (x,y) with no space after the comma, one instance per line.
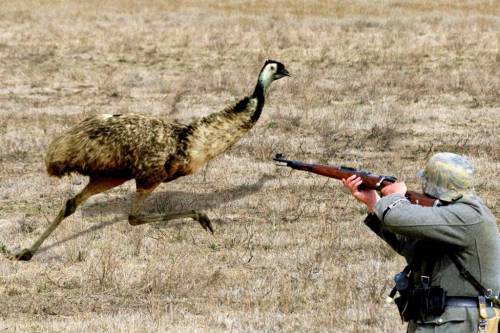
(370,180)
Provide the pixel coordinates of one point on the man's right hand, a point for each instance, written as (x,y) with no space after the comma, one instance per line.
(399,187)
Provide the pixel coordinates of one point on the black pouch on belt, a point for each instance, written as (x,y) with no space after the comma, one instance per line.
(435,298)
(418,303)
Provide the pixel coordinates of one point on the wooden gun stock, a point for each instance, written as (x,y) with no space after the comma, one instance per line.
(370,180)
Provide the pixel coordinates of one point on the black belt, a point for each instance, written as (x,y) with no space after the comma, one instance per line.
(467,302)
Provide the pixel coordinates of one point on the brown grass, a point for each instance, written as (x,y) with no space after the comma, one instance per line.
(376,85)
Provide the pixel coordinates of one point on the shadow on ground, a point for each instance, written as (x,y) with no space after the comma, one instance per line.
(177,200)
(172,201)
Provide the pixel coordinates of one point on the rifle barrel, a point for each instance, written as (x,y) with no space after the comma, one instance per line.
(370,180)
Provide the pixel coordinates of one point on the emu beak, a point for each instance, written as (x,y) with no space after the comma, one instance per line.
(283,72)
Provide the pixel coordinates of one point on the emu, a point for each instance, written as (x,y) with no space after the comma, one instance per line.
(112,149)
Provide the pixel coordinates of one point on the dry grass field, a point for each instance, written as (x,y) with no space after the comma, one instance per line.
(376,85)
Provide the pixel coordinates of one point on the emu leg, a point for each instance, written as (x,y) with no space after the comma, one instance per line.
(136,218)
(95,186)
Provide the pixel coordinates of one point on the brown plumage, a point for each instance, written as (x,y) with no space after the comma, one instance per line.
(112,149)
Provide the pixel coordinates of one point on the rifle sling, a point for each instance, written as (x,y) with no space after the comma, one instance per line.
(469,277)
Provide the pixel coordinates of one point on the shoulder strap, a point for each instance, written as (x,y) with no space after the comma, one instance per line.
(468,276)
(472,280)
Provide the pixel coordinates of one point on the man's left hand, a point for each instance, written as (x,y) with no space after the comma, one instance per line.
(368,197)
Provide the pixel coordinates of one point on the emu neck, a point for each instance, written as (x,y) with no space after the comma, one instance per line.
(259,94)
(217,132)
(263,84)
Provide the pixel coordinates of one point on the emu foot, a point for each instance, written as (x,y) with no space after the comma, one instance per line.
(203,219)
(23,255)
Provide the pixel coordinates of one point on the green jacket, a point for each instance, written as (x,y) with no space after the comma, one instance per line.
(465,228)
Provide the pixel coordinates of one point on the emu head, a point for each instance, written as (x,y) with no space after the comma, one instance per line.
(271,71)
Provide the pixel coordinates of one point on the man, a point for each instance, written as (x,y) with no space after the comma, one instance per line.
(460,231)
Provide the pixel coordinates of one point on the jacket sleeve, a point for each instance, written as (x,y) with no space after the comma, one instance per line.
(449,224)
(395,241)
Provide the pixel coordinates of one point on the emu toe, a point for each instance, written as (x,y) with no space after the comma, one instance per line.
(205,222)
(23,255)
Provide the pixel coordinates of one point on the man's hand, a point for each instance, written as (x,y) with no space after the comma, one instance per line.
(399,187)
(368,197)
